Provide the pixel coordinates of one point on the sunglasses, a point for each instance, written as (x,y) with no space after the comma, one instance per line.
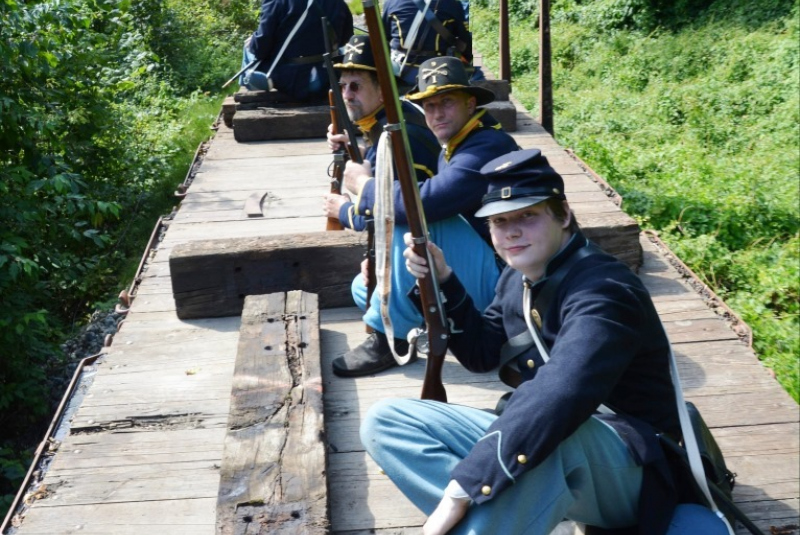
(353,86)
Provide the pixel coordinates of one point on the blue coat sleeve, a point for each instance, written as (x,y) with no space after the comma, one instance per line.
(348,219)
(458,186)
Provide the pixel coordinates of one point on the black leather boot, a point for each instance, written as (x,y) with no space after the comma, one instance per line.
(372,356)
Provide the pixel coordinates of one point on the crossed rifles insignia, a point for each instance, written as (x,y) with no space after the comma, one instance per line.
(351,49)
(429,75)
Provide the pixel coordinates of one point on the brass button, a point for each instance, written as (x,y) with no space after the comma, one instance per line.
(522,459)
(537,319)
(367,212)
(486,490)
(530,363)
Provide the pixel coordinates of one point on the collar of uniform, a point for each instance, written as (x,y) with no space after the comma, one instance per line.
(577,241)
(472,124)
(366,123)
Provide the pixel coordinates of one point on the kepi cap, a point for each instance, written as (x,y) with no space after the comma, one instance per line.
(517,180)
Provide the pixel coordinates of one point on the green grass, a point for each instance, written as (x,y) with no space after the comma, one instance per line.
(182,131)
(696,125)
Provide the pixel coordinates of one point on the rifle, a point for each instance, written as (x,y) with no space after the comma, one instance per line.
(435,320)
(253,64)
(341,123)
(337,172)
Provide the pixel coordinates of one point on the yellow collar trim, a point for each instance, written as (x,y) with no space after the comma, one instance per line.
(366,123)
(472,124)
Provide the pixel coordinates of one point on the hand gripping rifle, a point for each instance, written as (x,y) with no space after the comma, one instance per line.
(340,122)
(435,320)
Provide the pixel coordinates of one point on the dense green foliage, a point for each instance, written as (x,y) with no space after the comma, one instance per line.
(101,108)
(691,110)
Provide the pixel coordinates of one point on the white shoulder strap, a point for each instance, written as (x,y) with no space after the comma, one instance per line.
(289,38)
(689,439)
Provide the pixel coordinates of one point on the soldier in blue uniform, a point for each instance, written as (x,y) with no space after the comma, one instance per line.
(443,30)
(469,137)
(361,93)
(550,454)
(291,31)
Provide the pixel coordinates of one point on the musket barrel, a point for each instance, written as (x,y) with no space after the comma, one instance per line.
(435,321)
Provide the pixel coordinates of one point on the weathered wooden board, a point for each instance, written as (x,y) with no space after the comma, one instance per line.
(188,232)
(212,278)
(227,148)
(500,88)
(173,517)
(504,113)
(273,477)
(264,97)
(277,123)
(271,207)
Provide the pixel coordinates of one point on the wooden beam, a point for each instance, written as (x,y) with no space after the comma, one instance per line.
(545,68)
(273,478)
(505,55)
(212,278)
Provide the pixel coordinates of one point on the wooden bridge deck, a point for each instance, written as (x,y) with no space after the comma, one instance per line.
(145,446)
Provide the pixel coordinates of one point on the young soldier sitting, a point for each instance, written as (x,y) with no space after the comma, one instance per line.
(550,454)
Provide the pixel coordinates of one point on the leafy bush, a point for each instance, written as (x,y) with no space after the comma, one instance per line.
(100,114)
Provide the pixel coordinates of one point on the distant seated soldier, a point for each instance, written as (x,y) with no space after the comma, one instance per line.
(441,30)
(289,44)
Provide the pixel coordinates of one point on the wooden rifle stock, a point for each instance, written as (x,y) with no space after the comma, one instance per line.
(435,320)
(337,172)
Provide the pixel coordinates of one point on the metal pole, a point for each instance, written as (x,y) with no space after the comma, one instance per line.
(545,68)
(505,56)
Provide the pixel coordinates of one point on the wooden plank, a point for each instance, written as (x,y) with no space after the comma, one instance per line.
(212,278)
(268,167)
(188,232)
(273,477)
(227,148)
(277,123)
(364,497)
(173,517)
(271,208)
(773,517)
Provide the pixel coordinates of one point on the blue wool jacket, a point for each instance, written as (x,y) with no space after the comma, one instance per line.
(458,186)
(276,21)
(607,346)
(424,151)
(398,16)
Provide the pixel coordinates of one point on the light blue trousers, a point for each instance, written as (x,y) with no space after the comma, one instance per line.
(254,80)
(466,253)
(590,478)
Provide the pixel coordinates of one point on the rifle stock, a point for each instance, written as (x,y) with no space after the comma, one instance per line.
(337,172)
(435,321)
